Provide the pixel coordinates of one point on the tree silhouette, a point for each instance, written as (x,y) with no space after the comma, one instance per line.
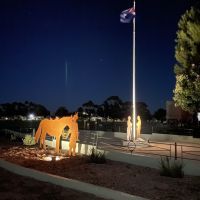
(160,114)
(61,112)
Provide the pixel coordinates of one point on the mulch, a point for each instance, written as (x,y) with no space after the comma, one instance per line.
(132,179)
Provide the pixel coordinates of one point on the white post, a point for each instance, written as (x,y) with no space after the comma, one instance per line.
(33,133)
(134,82)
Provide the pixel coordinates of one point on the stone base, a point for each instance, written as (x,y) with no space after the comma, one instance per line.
(139,142)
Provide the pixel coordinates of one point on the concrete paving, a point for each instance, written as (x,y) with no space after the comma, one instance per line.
(157,146)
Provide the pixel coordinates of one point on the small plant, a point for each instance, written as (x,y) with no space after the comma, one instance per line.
(97,157)
(28,140)
(167,168)
(177,170)
(13,137)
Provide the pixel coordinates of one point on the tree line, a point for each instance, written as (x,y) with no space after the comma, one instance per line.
(22,109)
(113,107)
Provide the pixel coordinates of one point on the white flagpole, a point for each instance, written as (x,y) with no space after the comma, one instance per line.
(134,81)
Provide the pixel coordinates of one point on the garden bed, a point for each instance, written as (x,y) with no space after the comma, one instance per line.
(132,179)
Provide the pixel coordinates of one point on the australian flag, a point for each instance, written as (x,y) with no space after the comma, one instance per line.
(127,15)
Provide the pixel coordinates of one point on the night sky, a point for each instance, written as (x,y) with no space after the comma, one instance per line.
(66,52)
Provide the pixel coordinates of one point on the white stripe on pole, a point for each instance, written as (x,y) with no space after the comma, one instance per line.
(134,82)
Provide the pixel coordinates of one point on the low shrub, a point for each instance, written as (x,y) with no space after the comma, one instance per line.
(177,170)
(171,169)
(14,137)
(29,140)
(97,157)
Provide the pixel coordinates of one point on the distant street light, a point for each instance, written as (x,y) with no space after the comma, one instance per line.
(31,116)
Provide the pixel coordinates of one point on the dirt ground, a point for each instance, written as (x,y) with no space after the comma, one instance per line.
(136,180)
(15,187)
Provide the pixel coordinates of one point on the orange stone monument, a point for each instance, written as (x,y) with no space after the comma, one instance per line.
(74,135)
(55,128)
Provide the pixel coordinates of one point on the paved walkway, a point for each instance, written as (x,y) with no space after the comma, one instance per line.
(153,148)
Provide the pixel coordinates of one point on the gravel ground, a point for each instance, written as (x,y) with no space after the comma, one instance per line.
(136,180)
(15,187)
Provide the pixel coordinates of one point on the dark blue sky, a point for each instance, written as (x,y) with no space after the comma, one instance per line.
(38,38)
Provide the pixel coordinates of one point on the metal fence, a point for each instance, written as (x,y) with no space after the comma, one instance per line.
(168,149)
(191,152)
(108,141)
(147,127)
(19,133)
(114,126)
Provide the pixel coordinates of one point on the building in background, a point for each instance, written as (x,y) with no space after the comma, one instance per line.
(175,115)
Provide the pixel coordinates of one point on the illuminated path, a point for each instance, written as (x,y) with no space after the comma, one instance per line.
(108,141)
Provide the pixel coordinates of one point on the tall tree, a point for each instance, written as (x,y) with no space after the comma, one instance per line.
(187,67)
(40,110)
(61,112)
(90,108)
(143,111)
(113,107)
(127,109)
(160,114)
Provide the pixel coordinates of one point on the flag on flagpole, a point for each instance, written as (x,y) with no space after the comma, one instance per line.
(127,15)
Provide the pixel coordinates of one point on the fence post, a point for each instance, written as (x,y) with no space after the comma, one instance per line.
(97,140)
(33,134)
(175,151)
(181,152)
